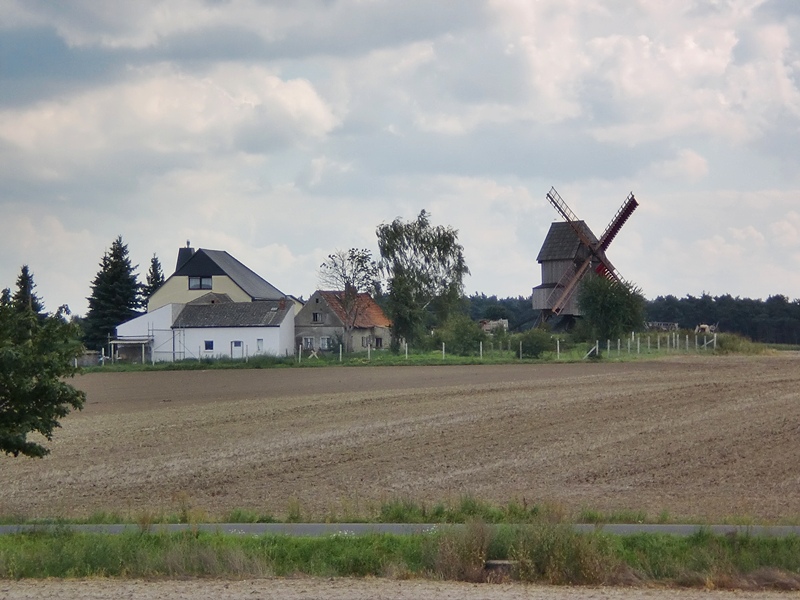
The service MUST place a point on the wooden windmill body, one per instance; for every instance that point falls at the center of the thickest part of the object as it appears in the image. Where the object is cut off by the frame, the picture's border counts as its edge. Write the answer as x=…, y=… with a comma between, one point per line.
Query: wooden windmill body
x=569, y=252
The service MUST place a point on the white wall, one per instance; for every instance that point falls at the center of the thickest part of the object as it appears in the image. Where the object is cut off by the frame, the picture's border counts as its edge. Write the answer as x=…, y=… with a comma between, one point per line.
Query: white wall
x=278, y=341
x=156, y=324
x=177, y=344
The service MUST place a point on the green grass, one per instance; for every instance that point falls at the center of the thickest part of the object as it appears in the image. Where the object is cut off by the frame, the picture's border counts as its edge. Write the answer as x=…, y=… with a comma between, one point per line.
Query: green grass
x=546, y=553
x=395, y=510
x=571, y=351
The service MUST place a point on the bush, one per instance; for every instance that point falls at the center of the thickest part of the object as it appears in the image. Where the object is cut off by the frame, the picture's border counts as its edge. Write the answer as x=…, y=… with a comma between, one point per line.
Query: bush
x=461, y=336
x=535, y=342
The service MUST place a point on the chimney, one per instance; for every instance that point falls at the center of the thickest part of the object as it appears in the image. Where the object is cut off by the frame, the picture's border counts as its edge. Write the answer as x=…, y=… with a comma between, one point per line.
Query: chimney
x=184, y=254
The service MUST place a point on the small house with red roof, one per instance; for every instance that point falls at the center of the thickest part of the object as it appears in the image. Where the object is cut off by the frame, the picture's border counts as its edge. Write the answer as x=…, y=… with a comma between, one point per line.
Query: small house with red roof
x=322, y=323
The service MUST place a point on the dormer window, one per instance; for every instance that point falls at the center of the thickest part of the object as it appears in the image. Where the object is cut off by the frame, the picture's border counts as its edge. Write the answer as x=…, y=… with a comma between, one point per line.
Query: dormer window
x=199, y=283
x=316, y=317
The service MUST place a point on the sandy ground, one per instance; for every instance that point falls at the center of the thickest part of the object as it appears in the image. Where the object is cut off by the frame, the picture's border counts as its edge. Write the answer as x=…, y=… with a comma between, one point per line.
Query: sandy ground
x=701, y=437
x=340, y=589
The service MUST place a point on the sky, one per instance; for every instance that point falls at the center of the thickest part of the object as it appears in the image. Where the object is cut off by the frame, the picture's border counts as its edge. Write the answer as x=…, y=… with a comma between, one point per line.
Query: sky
x=283, y=131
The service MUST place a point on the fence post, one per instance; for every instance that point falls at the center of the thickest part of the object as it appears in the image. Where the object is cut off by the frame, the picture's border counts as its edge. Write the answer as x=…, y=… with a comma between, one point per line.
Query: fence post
x=648, y=344
x=369, y=351
x=520, y=350
x=442, y=350
x=639, y=345
x=558, y=349
x=300, y=353
x=481, y=349
x=715, y=341
x=405, y=343
x=658, y=342
x=608, y=347
x=629, y=346
x=687, y=342
x=619, y=347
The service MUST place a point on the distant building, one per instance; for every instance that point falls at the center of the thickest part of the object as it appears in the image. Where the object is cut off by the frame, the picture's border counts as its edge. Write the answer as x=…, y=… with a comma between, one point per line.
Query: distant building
x=320, y=324
x=212, y=306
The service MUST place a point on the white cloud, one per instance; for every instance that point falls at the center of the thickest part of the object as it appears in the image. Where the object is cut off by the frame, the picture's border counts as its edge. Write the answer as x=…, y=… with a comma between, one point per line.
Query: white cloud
x=688, y=164
x=787, y=231
x=161, y=110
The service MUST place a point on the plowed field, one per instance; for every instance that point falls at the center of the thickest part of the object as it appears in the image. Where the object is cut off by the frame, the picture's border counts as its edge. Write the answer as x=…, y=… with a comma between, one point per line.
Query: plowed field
x=697, y=437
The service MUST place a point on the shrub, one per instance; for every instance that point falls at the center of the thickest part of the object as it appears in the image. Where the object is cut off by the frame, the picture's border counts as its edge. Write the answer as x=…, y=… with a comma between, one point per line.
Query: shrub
x=535, y=342
x=461, y=336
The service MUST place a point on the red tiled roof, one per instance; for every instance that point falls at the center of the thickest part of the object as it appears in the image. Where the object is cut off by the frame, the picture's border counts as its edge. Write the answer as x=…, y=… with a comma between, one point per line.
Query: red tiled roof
x=369, y=313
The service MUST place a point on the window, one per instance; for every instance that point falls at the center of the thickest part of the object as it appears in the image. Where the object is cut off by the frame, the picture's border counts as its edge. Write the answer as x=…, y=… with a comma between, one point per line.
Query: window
x=308, y=343
x=237, y=344
x=209, y=345
x=364, y=341
x=316, y=317
x=199, y=283
x=325, y=343
x=260, y=345
x=378, y=342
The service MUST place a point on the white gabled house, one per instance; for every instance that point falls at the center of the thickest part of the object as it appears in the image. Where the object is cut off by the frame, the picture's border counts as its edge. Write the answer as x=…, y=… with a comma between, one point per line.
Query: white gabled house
x=211, y=307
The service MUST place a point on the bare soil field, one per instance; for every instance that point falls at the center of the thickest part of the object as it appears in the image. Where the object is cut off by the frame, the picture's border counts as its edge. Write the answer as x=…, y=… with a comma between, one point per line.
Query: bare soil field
x=707, y=438
x=341, y=589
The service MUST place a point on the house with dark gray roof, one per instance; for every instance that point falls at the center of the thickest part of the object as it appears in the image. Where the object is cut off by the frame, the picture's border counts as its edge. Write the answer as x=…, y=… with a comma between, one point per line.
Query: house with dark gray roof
x=201, y=271
x=212, y=306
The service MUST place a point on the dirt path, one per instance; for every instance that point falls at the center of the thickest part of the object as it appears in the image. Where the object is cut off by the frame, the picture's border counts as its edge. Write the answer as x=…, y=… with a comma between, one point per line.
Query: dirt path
x=341, y=589
x=708, y=437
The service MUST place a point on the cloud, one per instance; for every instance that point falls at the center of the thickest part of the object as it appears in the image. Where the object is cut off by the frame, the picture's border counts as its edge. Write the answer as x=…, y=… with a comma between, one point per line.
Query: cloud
x=164, y=113
x=688, y=164
x=786, y=232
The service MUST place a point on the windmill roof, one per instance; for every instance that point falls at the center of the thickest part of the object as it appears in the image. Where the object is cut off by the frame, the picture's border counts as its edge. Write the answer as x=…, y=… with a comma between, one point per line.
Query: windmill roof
x=263, y=313
x=369, y=313
x=218, y=262
x=562, y=242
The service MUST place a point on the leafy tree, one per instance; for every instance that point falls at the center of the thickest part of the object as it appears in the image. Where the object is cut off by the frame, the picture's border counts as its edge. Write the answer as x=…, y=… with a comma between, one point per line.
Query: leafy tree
x=116, y=295
x=351, y=273
x=36, y=354
x=425, y=269
x=25, y=297
x=610, y=309
x=155, y=279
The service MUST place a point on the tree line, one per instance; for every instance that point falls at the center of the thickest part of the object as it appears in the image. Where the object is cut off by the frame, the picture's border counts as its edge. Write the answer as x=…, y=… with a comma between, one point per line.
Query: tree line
x=775, y=320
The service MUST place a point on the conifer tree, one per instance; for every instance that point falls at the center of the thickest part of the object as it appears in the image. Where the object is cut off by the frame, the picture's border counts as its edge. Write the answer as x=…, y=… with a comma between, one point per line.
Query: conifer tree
x=25, y=297
x=155, y=279
x=116, y=295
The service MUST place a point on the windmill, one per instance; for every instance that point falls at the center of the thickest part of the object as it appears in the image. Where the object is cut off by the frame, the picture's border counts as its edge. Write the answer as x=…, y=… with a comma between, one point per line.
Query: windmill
x=569, y=251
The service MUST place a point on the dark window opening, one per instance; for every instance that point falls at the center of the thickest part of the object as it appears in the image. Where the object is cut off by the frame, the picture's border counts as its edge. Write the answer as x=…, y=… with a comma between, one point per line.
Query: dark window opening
x=199, y=283
x=209, y=344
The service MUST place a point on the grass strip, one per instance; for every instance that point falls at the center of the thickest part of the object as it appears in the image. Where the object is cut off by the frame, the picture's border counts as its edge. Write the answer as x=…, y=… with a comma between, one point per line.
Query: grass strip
x=553, y=554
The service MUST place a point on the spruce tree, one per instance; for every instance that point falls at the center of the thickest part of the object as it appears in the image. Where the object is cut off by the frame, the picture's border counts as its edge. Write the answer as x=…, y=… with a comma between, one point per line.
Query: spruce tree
x=116, y=295
x=155, y=279
x=25, y=298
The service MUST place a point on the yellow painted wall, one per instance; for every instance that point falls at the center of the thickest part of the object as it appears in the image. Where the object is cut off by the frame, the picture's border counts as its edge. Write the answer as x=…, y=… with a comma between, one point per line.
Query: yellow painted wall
x=176, y=290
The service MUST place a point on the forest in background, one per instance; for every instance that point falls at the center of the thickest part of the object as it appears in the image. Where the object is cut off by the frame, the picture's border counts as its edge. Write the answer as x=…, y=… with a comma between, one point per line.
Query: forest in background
x=775, y=320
